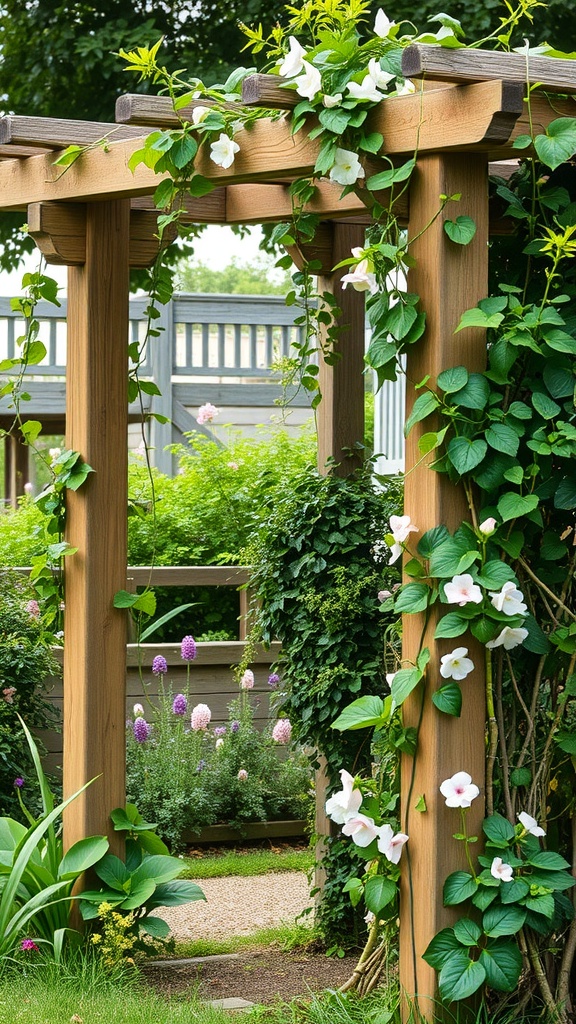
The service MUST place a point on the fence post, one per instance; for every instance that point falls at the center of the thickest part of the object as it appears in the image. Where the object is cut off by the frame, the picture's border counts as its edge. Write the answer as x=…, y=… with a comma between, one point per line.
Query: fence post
x=161, y=362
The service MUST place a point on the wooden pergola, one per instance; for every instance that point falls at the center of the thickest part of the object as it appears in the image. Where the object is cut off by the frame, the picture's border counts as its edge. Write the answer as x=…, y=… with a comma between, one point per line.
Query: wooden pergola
x=97, y=218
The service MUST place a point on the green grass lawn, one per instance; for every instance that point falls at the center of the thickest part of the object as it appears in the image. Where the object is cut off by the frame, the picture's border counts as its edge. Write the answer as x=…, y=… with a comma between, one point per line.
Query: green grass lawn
x=247, y=862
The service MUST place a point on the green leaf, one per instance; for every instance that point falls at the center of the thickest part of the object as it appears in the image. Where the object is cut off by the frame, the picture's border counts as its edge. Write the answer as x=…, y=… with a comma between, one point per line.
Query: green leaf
x=566, y=742
x=81, y=856
x=400, y=319
x=498, y=830
x=452, y=557
x=460, y=977
x=158, y=868
x=431, y=540
x=424, y=405
x=543, y=904
x=453, y=379
x=558, y=144
x=355, y=888
x=441, y=948
x=502, y=438
x=388, y=178
x=174, y=894
x=448, y=699
x=155, y=926
x=451, y=625
x=475, y=393
x=140, y=892
x=30, y=430
x=514, y=891
x=547, y=860
x=461, y=230
x=502, y=961
x=478, y=318
x=465, y=454
x=500, y=920
x=520, y=777
x=560, y=341
x=512, y=505
x=413, y=597
x=404, y=682
x=495, y=574
x=459, y=886
x=113, y=873
x=122, y=599
x=363, y=713
x=565, y=496
x=467, y=932
x=379, y=892
x=545, y=406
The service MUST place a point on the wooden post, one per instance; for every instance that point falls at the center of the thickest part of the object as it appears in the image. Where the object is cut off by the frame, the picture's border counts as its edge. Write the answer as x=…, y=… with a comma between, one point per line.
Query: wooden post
x=16, y=467
x=341, y=411
x=96, y=417
x=449, y=278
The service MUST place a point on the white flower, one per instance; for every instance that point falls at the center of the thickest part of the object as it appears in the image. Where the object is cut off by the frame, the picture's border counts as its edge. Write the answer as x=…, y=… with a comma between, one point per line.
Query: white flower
x=332, y=101
x=382, y=25
x=390, y=676
x=347, y=168
x=407, y=89
x=138, y=711
x=389, y=844
x=340, y=806
x=400, y=528
x=199, y=113
x=456, y=665
x=530, y=824
x=310, y=82
x=293, y=61
x=509, y=600
x=498, y=869
x=509, y=638
x=361, y=829
x=219, y=742
x=488, y=527
x=380, y=78
x=361, y=278
x=224, y=150
x=462, y=590
x=459, y=791
x=206, y=413
x=365, y=90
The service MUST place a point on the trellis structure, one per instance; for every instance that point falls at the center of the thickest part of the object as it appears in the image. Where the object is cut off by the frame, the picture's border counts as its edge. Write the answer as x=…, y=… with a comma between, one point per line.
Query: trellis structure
x=468, y=114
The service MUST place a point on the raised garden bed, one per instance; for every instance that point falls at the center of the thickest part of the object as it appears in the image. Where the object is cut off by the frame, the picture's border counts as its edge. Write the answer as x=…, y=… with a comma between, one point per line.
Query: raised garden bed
x=251, y=830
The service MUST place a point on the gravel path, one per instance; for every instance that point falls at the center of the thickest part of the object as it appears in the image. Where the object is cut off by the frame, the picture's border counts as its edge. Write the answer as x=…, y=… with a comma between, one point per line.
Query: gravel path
x=239, y=906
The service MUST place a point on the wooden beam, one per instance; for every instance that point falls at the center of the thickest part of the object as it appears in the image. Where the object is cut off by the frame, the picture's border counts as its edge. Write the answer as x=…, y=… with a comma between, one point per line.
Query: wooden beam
x=341, y=412
x=467, y=65
x=210, y=209
x=59, y=230
x=57, y=133
x=320, y=249
x=156, y=111
x=259, y=204
x=10, y=152
x=16, y=467
x=268, y=91
x=94, y=673
x=449, y=278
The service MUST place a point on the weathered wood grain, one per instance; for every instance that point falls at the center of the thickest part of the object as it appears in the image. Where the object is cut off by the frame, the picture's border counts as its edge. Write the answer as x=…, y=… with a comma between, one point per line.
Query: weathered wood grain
x=467, y=65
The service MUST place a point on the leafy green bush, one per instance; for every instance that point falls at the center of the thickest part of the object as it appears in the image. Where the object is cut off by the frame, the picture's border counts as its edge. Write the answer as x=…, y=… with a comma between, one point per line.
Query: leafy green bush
x=26, y=662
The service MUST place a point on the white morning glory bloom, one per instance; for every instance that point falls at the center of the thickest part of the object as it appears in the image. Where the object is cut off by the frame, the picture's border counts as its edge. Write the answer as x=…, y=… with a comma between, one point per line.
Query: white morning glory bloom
x=462, y=590
x=382, y=24
x=389, y=844
x=459, y=790
x=340, y=806
x=346, y=168
x=310, y=82
x=406, y=89
x=361, y=829
x=364, y=90
x=380, y=78
x=509, y=600
x=223, y=151
x=361, y=277
x=500, y=870
x=509, y=638
x=488, y=527
x=331, y=101
x=456, y=665
x=530, y=824
x=400, y=528
x=293, y=61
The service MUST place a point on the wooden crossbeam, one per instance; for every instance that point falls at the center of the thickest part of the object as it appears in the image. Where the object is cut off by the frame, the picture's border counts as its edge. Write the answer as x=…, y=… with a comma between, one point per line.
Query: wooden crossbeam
x=466, y=65
x=59, y=230
x=268, y=91
x=9, y=152
x=56, y=133
x=156, y=111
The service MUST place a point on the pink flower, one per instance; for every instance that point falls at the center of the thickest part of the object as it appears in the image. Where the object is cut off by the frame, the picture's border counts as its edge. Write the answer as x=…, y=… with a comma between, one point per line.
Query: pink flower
x=247, y=681
x=456, y=665
x=500, y=870
x=8, y=694
x=242, y=775
x=361, y=277
x=340, y=806
x=282, y=731
x=29, y=945
x=200, y=717
x=361, y=829
x=33, y=609
x=206, y=413
x=459, y=791
x=462, y=590
x=389, y=844
x=488, y=527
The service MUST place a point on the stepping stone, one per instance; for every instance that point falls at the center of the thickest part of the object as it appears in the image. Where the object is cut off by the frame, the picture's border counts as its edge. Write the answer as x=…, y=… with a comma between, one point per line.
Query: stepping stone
x=233, y=1003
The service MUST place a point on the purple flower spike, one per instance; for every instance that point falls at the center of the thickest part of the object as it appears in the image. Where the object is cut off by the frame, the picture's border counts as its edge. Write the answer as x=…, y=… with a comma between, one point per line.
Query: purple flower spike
x=220, y=730
x=201, y=766
x=159, y=666
x=188, y=648
x=141, y=730
x=19, y=782
x=273, y=680
x=179, y=704
x=234, y=726
x=29, y=945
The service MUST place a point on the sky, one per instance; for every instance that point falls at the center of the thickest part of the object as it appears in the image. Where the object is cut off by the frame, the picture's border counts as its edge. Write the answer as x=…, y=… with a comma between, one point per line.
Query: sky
x=216, y=248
